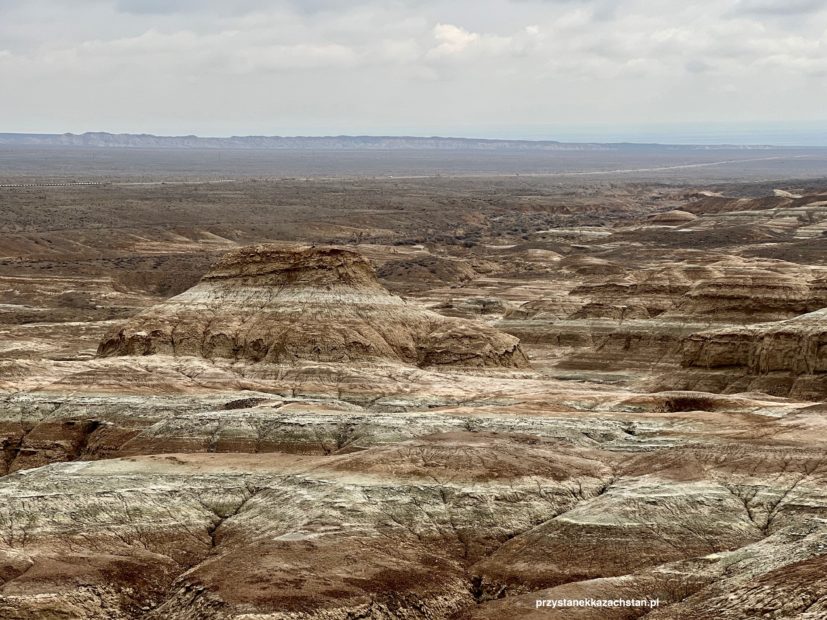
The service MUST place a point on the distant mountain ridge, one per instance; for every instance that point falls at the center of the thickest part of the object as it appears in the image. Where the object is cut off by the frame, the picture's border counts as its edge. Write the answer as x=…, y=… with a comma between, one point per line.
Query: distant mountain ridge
x=325, y=143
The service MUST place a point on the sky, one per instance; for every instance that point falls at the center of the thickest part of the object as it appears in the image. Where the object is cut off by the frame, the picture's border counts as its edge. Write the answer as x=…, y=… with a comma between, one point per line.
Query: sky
x=742, y=71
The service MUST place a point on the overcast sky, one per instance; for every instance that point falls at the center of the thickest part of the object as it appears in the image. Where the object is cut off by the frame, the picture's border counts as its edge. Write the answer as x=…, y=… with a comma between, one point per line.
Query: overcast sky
x=489, y=68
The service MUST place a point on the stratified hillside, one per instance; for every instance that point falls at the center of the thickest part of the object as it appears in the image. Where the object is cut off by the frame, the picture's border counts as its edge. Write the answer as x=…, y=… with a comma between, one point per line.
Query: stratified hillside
x=418, y=399
x=284, y=304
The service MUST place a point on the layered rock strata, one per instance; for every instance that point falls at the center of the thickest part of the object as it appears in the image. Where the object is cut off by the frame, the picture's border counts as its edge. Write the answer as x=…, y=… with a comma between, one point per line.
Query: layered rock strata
x=779, y=357
x=282, y=304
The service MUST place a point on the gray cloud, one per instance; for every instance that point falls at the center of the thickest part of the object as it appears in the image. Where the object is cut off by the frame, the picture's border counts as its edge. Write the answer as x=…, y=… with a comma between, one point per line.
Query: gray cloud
x=153, y=6
x=698, y=66
x=779, y=7
x=237, y=7
x=214, y=7
x=405, y=66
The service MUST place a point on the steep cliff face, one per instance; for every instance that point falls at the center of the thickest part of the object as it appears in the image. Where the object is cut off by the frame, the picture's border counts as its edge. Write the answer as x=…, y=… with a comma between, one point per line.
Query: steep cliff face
x=796, y=345
x=780, y=357
x=281, y=304
x=639, y=319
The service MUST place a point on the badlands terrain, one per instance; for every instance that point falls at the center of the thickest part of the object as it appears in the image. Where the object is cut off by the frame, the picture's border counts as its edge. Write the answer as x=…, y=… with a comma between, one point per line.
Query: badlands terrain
x=416, y=398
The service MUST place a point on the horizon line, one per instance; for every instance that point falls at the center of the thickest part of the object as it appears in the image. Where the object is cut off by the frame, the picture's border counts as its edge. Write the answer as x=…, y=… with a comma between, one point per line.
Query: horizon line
x=403, y=136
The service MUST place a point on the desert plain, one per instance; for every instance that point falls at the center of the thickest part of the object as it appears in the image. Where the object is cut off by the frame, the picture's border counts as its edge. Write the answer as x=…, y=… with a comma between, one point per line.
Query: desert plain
x=345, y=385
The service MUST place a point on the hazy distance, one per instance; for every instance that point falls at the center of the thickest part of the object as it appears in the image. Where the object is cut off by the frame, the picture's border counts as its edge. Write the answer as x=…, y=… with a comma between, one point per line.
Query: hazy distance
x=712, y=71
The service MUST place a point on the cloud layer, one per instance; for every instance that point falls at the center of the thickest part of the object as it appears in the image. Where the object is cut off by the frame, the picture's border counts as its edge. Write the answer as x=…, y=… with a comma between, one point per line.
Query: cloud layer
x=462, y=67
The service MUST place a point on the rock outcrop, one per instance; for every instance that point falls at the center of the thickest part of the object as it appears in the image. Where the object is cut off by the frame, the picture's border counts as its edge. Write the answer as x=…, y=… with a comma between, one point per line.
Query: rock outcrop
x=288, y=440
x=280, y=304
x=777, y=357
x=674, y=218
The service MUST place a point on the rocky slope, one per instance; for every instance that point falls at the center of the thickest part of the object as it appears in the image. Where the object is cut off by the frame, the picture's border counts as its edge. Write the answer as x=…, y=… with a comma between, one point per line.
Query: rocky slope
x=422, y=515
x=286, y=440
x=784, y=357
x=276, y=304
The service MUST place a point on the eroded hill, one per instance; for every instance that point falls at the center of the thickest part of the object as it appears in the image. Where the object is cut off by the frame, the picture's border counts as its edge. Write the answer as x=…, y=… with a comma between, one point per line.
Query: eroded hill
x=417, y=399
